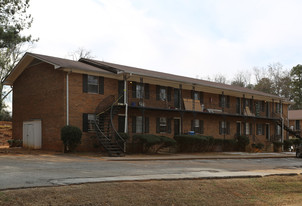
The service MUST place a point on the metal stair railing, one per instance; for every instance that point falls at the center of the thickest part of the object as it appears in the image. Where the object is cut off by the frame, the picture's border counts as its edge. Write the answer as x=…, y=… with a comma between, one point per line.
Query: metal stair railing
x=108, y=134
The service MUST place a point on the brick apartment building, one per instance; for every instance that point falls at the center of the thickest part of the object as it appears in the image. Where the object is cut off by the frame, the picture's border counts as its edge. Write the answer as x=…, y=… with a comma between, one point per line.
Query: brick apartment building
x=295, y=122
x=50, y=92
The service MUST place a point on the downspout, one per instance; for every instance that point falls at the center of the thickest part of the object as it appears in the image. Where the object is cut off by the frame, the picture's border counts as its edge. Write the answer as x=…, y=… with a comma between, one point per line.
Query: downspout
x=282, y=125
x=126, y=104
x=67, y=98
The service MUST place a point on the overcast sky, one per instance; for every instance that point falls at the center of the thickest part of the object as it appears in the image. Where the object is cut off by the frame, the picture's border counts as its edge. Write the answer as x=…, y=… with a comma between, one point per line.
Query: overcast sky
x=195, y=38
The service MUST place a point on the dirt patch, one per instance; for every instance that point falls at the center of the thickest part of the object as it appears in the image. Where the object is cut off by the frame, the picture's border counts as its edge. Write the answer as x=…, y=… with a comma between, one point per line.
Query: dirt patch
x=5, y=133
x=255, y=191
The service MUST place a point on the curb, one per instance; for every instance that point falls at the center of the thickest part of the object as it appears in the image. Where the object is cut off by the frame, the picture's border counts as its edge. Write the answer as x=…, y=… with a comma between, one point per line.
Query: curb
x=196, y=158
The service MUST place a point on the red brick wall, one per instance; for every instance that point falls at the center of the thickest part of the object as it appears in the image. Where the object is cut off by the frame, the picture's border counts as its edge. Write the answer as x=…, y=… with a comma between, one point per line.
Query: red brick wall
x=80, y=102
x=38, y=93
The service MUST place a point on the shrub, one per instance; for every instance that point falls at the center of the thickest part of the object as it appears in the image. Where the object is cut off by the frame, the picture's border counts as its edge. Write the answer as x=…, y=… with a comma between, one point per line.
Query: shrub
x=242, y=142
x=15, y=142
x=194, y=143
x=125, y=136
x=153, y=143
x=71, y=137
x=296, y=141
x=287, y=144
x=226, y=144
x=258, y=146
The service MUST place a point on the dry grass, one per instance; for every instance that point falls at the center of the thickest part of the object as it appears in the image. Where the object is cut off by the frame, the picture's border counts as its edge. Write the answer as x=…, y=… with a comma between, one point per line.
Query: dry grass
x=255, y=191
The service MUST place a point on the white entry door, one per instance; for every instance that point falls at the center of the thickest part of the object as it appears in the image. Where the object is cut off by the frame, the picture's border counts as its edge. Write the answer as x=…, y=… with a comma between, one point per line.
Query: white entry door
x=32, y=134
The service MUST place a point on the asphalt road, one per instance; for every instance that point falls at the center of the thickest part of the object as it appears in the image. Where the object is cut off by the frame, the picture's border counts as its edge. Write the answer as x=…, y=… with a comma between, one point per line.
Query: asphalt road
x=21, y=171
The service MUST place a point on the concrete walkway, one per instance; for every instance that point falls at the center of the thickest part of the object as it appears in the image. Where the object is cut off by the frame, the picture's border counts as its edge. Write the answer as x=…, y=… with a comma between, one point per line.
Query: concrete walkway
x=24, y=169
x=201, y=156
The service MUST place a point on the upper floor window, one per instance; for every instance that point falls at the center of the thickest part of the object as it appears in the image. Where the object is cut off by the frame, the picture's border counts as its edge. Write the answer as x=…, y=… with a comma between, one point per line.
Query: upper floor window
x=196, y=96
x=224, y=101
x=139, y=91
x=163, y=94
x=93, y=84
x=297, y=124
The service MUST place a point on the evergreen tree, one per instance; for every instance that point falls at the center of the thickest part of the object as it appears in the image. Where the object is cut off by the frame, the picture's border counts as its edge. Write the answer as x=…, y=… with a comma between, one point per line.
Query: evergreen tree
x=296, y=86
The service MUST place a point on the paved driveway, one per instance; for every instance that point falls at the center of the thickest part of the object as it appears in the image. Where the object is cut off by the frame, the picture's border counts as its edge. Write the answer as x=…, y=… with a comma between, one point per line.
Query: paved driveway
x=19, y=171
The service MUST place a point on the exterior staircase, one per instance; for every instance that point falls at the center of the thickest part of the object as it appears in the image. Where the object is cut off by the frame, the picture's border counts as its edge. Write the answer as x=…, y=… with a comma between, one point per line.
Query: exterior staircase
x=289, y=130
x=107, y=135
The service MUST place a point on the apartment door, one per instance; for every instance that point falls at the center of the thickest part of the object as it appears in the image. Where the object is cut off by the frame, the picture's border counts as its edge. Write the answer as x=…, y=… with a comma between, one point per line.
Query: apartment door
x=267, y=132
x=176, y=98
x=238, y=128
x=267, y=109
x=176, y=126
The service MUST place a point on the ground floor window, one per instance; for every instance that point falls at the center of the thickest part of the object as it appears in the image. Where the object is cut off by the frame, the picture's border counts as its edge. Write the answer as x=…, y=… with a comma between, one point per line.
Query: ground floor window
x=88, y=122
x=163, y=125
x=224, y=127
x=197, y=126
x=248, y=128
x=260, y=129
x=140, y=124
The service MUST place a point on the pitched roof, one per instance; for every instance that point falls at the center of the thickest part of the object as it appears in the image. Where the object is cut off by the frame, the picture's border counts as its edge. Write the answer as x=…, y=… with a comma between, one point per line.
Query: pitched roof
x=295, y=114
x=95, y=66
x=58, y=63
x=116, y=68
x=65, y=63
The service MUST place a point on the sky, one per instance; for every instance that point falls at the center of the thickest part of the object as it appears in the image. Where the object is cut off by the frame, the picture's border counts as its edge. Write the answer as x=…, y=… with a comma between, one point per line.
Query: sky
x=194, y=38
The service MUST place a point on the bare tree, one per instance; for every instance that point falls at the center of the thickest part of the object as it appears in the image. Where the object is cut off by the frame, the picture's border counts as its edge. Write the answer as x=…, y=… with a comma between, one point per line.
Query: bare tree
x=81, y=53
x=242, y=79
x=220, y=78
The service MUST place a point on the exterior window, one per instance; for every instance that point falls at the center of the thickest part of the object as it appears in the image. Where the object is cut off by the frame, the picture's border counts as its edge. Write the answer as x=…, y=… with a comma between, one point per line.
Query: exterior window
x=247, y=128
x=163, y=124
x=297, y=124
x=196, y=96
x=91, y=124
x=224, y=127
x=224, y=101
x=93, y=84
x=260, y=129
x=163, y=94
x=139, y=91
x=197, y=126
x=139, y=124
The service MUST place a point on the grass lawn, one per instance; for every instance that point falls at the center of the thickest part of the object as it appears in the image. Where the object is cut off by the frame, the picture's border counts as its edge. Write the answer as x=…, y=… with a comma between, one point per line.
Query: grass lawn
x=276, y=190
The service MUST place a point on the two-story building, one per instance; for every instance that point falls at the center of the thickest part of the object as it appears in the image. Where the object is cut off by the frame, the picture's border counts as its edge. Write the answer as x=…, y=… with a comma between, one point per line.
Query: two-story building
x=106, y=98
